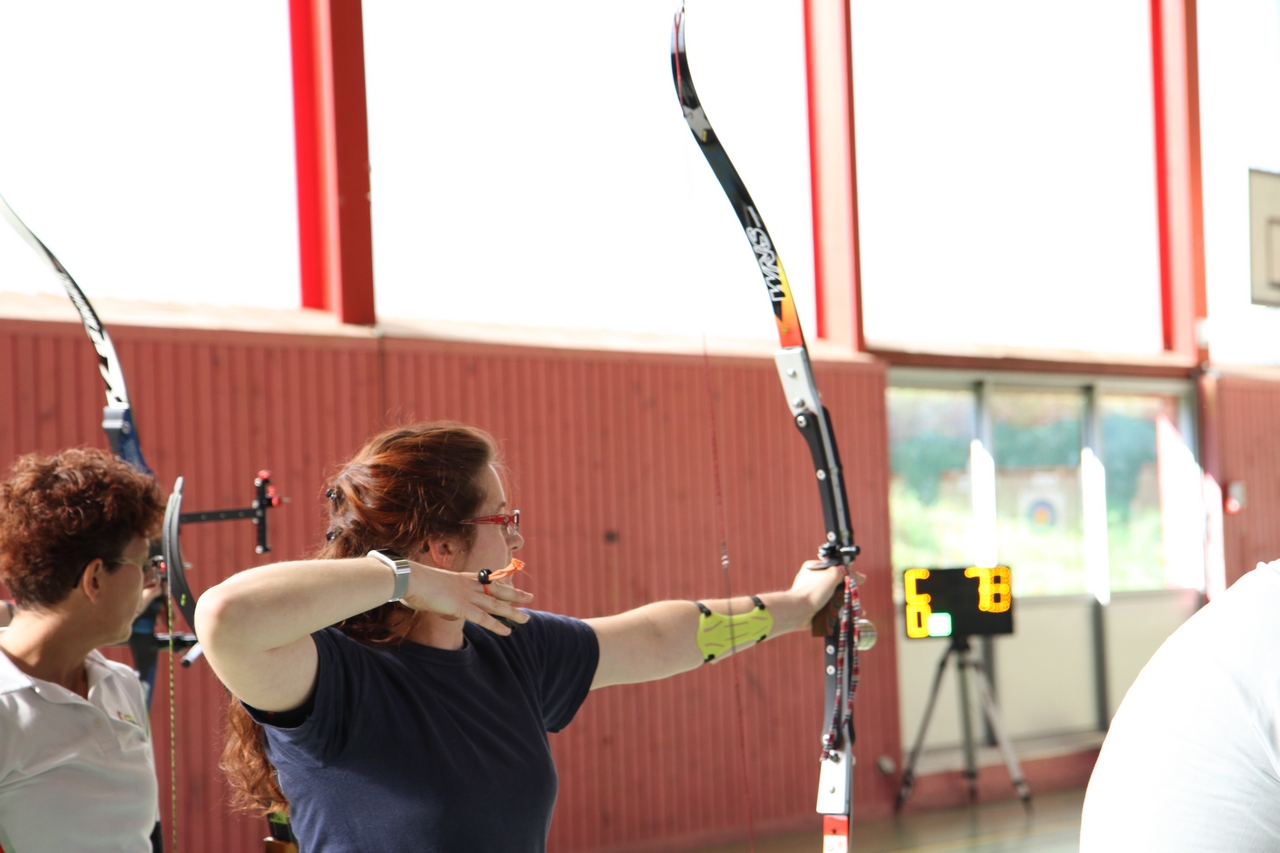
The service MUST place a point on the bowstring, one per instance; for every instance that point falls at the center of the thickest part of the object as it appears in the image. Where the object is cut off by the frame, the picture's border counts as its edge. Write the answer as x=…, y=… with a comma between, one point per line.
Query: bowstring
x=173, y=734
x=721, y=532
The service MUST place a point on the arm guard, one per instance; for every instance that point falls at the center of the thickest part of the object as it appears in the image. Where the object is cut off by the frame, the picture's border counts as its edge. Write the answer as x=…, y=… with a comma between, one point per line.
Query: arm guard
x=718, y=633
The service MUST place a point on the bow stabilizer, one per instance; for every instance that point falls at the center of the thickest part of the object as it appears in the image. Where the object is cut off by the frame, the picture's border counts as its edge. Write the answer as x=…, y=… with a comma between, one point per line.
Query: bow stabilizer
x=848, y=632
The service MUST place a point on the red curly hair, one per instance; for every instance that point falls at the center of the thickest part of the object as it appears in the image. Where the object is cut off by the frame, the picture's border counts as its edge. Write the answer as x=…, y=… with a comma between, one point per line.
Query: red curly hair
x=59, y=513
x=403, y=487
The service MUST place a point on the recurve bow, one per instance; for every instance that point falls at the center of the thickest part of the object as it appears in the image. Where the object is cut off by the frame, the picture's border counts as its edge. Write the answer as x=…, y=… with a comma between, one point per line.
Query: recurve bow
x=847, y=633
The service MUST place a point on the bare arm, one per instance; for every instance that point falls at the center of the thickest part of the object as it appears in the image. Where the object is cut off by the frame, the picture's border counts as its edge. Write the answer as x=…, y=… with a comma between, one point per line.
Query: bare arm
x=256, y=626
x=660, y=640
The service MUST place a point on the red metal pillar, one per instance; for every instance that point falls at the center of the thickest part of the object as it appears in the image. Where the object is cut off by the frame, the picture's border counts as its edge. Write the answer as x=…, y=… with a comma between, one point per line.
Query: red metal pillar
x=331, y=131
x=1175, y=73
x=1178, y=190
x=829, y=66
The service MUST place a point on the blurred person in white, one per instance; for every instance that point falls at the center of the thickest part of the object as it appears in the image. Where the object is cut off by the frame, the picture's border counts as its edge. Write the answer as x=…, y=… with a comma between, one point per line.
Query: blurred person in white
x=77, y=771
x=1191, y=761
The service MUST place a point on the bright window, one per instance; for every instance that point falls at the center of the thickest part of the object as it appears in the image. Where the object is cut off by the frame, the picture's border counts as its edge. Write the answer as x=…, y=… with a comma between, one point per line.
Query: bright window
x=1036, y=438
x=532, y=166
x=150, y=145
x=1239, y=55
x=996, y=469
x=1137, y=431
x=1006, y=173
x=930, y=432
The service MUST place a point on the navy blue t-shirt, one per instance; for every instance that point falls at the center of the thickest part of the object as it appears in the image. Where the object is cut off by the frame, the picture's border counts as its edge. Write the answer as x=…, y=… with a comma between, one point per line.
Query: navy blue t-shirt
x=425, y=749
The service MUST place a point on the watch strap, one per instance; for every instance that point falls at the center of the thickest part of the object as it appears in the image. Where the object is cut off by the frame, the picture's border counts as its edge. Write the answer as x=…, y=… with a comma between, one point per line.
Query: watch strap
x=397, y=564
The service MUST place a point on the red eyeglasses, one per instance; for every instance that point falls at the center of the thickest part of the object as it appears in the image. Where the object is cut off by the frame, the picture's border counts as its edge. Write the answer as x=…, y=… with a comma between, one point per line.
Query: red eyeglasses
x=511, y=523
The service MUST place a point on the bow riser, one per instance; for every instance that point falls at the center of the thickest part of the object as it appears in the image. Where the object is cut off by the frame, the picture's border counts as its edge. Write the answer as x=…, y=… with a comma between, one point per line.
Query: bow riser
x=814, y=423
x=117, y=423
x=173, y=553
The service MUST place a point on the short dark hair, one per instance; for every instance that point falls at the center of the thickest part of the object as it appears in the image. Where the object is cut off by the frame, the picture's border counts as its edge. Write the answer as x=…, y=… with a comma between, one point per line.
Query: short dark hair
x=59, y=513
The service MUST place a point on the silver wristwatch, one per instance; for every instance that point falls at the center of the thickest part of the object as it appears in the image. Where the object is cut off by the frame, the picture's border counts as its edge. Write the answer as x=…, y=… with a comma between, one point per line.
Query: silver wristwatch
x=397, y=564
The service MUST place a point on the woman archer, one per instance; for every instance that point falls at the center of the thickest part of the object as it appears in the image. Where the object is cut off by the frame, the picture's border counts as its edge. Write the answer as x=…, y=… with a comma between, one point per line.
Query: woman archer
x=394, y=696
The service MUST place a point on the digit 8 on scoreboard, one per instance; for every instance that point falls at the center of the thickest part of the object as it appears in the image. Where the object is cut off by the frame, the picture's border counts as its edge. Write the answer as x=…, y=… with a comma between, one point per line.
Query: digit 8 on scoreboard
x=993, y=588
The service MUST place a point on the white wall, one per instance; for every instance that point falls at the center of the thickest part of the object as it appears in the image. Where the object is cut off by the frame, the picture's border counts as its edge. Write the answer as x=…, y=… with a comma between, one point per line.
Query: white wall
x=1137, y=624
x=1239, y=130
x=1006, y=173
x=150, y=145
x=531, y=165
x=1045, y=677
x=1045, y=671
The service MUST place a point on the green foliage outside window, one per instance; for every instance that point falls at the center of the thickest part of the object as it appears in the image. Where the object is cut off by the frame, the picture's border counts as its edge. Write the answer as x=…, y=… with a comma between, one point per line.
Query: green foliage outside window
x=929, y=503
x=921, y=460
x=1128, y=444
x=1051, y=445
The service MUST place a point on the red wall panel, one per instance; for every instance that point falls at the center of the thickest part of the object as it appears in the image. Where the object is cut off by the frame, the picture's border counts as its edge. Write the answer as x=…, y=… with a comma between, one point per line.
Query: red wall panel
x=609, y=458
x=1248, y=422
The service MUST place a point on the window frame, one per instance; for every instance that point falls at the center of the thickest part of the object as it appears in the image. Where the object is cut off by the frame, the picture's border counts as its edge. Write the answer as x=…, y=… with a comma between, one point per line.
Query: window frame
x=982, y=383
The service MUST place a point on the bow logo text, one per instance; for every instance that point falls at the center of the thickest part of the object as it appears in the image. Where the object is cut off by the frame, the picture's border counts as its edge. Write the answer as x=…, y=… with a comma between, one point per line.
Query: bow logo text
x=766, y=257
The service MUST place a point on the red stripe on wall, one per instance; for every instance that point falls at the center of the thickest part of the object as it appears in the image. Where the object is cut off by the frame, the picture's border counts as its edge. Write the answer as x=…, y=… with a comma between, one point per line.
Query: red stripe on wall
x=1249, y=452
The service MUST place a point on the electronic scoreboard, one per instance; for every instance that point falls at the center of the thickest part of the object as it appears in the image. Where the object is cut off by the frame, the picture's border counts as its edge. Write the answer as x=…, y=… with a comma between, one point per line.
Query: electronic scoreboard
x=958, y=602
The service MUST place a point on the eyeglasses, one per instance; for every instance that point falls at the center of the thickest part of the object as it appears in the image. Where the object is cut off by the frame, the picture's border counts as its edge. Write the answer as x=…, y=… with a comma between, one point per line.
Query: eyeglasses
x=150, y=567
x=510, y=522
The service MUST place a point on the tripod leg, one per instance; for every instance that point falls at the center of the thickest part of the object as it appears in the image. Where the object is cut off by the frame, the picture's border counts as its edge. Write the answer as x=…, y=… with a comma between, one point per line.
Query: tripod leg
x=966, y=723
x=909, y=772
x=1002, y=737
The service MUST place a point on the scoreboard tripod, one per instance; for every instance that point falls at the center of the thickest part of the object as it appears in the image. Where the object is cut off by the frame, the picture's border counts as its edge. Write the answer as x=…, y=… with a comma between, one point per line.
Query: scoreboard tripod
x=959, y=604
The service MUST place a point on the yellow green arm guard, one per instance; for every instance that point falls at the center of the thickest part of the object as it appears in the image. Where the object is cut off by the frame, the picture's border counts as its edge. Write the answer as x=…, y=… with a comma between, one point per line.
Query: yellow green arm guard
x=718, y=633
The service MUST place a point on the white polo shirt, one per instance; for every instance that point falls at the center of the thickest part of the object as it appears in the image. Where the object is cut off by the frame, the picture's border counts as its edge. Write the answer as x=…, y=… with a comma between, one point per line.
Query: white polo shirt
x=1192, y=761
x=75, y=774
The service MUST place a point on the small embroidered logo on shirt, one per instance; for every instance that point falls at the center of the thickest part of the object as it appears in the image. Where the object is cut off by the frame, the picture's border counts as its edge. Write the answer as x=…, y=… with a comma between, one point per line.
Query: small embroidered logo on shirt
x=128, y=718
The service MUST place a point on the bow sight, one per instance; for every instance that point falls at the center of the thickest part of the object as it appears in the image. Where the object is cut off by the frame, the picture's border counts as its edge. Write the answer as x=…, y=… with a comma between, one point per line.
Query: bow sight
x=265, y=498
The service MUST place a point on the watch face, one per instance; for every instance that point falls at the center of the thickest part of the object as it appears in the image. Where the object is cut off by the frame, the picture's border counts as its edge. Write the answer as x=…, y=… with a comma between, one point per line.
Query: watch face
x=394, y=561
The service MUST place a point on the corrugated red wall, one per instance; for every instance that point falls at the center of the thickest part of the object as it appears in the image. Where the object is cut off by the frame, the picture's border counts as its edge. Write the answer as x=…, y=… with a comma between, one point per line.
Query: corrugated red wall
x=1248, y=430
x=610, y=459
